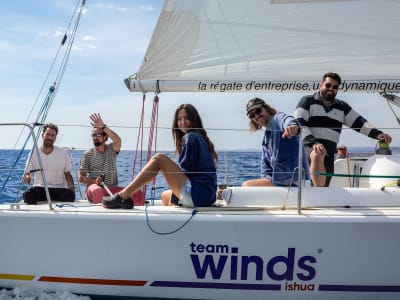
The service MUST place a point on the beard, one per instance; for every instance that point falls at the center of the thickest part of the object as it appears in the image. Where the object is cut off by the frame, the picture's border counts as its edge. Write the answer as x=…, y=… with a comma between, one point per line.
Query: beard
x=48, y=143
x=329, y=97
x=97, y=143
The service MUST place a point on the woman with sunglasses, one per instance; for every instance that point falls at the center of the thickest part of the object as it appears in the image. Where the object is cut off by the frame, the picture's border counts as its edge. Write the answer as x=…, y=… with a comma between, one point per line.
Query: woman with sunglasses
x=280, y=146
x=321, y=117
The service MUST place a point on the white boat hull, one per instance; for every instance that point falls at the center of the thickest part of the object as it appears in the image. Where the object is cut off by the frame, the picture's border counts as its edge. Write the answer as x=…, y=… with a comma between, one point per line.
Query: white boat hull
x=254, y=252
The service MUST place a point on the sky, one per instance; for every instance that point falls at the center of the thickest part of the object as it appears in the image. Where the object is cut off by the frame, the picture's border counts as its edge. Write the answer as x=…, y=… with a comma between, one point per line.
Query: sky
x=109, y=46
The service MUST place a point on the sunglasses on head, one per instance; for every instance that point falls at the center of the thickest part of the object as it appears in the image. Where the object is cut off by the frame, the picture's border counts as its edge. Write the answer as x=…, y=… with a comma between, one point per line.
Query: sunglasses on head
x=97, y=135
x=328, y=86
x=255, y=112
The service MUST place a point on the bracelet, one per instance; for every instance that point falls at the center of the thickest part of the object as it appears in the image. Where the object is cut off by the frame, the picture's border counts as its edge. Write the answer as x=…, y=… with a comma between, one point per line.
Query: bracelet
x=104, y=126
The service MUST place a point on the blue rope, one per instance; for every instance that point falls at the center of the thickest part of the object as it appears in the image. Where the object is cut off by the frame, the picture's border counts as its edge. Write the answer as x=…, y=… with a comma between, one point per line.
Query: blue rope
x=194, y=212
x=62, y=205
x=171, y=232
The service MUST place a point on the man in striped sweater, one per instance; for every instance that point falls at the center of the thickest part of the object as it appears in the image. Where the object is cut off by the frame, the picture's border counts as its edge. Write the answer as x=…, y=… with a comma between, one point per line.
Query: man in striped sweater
x=99, y=164
x=321, y=116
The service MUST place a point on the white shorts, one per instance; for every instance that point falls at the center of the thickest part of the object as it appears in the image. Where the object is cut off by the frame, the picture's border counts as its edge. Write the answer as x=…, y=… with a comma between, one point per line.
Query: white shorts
x=186, y=194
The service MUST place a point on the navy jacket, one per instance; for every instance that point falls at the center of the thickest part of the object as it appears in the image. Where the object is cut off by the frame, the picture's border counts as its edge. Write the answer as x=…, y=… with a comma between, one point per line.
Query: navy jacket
x=198, y=165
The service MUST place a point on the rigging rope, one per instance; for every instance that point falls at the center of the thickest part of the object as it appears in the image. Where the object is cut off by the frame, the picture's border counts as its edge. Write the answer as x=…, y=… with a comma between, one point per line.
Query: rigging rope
x=393, y=112
x=140, y=142
x=45, y=108
x=152, y=137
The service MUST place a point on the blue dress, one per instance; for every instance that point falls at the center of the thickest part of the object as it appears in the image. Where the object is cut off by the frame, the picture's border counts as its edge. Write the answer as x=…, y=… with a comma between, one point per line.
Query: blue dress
x=280, y=155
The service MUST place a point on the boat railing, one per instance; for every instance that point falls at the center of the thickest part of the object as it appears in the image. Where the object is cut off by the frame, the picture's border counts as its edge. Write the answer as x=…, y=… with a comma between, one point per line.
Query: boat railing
x=351, y=178
x=300, y=178
x=35, y=147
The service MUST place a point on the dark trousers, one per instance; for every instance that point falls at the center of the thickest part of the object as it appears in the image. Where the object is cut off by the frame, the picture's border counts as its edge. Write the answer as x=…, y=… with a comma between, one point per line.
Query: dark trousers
x=329, y=162
x=35, y=194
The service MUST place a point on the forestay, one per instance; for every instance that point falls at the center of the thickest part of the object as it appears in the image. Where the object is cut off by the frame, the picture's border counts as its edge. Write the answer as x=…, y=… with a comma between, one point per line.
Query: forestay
x=272, y=46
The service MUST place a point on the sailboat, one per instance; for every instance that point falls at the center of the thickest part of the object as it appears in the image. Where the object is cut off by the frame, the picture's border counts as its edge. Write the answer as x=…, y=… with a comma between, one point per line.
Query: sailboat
x=299, y=242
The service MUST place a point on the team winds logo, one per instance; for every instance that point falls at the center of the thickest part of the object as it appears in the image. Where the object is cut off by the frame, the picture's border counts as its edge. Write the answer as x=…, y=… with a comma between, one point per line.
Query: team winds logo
x=222, y=262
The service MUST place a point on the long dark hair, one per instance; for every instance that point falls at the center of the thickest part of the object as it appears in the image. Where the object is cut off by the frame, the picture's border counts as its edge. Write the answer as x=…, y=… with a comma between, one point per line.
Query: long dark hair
x=197, y=126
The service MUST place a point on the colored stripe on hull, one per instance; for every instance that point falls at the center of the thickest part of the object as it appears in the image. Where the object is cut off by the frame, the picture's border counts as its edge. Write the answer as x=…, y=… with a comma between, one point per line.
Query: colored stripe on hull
x=16, y=276
x=213, y=285
x=93, y=281
x=359, y=288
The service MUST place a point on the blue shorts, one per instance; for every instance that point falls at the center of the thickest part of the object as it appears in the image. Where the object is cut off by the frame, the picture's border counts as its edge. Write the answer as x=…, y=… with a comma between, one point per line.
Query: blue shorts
x=186, y=194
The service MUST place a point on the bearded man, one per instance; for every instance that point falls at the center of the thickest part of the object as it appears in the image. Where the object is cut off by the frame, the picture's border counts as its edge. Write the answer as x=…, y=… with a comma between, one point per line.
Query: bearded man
x=56, y=166
x=321, y=117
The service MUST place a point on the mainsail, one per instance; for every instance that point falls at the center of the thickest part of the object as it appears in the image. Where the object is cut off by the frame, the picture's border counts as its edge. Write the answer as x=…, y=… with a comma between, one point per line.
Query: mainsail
x=272, y=46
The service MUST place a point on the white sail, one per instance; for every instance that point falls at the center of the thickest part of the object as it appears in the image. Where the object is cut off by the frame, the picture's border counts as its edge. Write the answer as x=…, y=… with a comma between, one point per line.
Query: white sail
x=272, y=45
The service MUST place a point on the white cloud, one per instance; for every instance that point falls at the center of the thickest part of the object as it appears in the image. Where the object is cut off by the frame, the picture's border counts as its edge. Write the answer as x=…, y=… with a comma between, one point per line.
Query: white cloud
x=147, y=7
x=88, y=38
x=109, y=6
x=83, y=46
x=58, y=33
x=43, y=34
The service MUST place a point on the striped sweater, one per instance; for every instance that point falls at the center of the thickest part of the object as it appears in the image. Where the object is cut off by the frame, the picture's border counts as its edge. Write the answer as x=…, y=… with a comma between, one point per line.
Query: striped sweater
x=97, y=164
x=323, y=125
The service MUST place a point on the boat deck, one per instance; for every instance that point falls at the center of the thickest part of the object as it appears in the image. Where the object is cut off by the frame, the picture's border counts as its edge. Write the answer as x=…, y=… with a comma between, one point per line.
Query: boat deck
x=271, y=201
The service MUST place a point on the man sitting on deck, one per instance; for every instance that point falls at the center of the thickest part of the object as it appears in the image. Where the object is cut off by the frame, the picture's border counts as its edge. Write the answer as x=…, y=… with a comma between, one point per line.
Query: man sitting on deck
x=98, y=166
x=56, y=167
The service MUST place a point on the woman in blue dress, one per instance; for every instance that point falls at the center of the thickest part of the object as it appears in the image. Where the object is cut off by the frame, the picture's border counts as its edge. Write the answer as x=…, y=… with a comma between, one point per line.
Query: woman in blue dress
x=193, y=181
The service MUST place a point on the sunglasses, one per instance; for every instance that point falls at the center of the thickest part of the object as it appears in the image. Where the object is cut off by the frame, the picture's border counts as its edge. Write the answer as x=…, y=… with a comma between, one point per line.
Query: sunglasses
x=328, y=86
x=97, y=135
x=255, y=112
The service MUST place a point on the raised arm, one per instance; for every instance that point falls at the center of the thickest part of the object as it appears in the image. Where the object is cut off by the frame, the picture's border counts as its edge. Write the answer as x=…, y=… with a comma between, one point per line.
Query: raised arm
x=97, y=121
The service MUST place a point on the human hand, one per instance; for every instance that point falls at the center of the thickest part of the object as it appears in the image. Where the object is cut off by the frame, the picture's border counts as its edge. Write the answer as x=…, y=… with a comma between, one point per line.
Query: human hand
x=290, y=131
x=99, y=180
x=319, y=149
x=27, y=178
x=384, y=138
x=97, y=121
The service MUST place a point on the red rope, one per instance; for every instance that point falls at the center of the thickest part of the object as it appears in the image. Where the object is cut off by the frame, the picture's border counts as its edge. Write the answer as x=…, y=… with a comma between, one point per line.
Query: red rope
x=139, y=138
x=139, y=148
x=154, y=119
x=139, y=143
